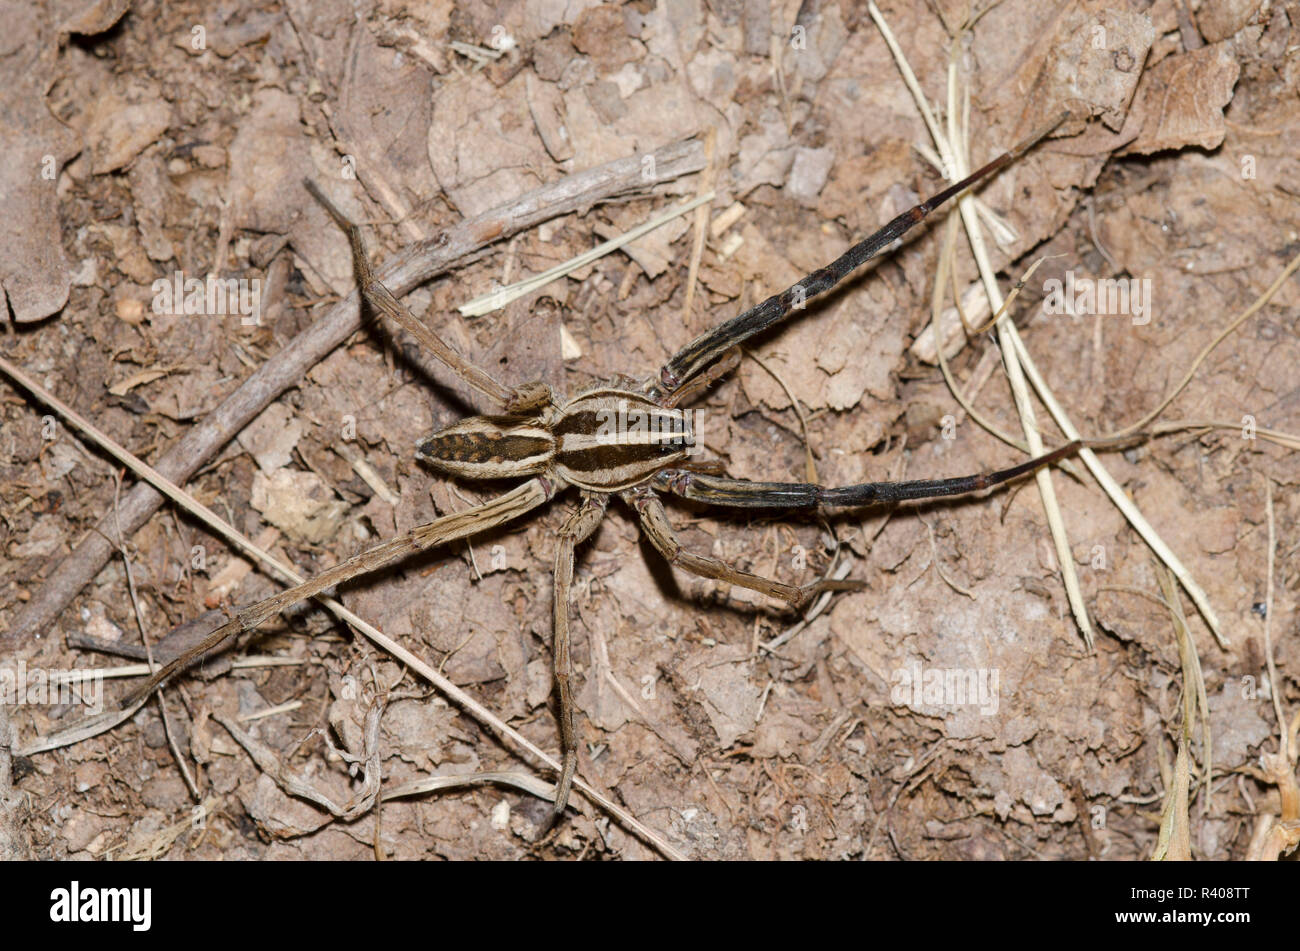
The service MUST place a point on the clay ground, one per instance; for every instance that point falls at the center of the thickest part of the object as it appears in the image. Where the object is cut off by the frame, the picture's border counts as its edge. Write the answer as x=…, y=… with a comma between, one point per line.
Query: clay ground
x=1179, y=171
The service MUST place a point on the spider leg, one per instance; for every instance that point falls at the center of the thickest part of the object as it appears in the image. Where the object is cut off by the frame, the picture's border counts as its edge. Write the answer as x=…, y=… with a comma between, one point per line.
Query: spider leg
x=693, y=387
x=514, y=400
x=654, y=521
x=479, y=518
x=788, y=495
x=575, y=531
x=706, y=348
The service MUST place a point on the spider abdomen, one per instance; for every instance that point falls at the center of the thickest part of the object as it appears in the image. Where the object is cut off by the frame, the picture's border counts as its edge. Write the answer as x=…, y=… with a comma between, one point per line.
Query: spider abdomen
x=489, y=447
x=610, y=439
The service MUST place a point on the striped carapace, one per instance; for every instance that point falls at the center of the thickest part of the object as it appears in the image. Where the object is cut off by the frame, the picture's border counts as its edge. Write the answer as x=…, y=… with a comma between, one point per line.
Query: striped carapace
x=603, y=440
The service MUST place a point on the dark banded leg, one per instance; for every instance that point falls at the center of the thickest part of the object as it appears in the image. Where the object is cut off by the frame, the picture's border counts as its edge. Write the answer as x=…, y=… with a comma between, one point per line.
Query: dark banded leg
x=793, y=495
x=479, y=518
x=519, y=399
x=575, y=531
x=654, y=521
x=706, y=348
x=692, y=388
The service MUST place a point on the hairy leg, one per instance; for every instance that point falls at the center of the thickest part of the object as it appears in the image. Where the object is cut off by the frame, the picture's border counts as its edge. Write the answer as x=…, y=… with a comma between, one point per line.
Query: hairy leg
x=575, y=531
x=520, y=399
x=479, y=518
x=709, y=345
x=787, y=495
x=654, y=521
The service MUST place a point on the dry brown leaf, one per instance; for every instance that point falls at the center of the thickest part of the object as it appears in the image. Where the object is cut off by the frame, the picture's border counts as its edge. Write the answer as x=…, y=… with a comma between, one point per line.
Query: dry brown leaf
x=122, y=387
x=1180, y=101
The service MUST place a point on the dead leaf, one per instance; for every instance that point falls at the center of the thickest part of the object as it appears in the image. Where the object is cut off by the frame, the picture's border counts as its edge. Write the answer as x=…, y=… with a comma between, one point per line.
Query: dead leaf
x=123, y=387
x=95, y=17
x=298, y=503
x=1180, y=101
x=34, y=271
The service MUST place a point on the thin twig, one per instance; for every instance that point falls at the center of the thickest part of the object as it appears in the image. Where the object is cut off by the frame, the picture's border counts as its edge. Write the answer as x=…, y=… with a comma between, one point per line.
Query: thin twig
x=1282, y=741
x=810, y=466
x=168, y=730
x=701, y=224
x=943, y=273
x=1194, y=697
x=1241, y=318
x=938, y=566
x=495, y=300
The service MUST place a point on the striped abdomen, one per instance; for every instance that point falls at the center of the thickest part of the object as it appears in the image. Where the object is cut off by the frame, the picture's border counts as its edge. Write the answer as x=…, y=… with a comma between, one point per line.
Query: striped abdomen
x=489, y=447
x=611, y=439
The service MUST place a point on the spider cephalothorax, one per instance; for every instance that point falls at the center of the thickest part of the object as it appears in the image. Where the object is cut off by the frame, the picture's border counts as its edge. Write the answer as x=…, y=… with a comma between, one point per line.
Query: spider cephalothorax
x=605, y=439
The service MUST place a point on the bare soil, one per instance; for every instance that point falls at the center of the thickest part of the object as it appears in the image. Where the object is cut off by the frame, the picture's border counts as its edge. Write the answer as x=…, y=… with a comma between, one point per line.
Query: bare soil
x=179, y=138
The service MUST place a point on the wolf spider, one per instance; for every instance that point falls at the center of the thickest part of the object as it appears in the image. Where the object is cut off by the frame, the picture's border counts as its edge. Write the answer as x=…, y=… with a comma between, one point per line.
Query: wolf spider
x=555, y=444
